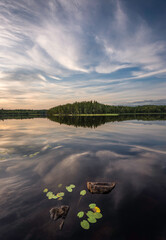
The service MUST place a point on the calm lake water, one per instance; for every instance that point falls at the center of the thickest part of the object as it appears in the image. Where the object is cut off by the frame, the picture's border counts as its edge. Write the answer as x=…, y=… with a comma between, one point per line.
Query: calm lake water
x=132, y=153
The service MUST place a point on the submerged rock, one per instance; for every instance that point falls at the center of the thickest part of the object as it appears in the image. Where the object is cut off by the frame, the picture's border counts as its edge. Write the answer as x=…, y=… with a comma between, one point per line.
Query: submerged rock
x=59, y=212
x=100, y=187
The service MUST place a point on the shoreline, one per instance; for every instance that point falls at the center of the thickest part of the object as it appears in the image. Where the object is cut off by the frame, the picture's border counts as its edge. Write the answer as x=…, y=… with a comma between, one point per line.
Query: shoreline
x=105, y=114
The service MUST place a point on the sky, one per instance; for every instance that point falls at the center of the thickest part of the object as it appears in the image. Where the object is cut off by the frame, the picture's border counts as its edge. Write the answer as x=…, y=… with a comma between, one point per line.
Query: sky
x=58, y=51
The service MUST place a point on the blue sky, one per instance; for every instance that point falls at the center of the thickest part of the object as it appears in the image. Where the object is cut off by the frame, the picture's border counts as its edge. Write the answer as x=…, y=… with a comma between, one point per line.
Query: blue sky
x=58, y=51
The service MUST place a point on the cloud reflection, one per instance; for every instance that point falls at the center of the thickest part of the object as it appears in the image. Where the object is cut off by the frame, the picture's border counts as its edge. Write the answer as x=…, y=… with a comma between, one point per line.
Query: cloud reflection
x=126, y=152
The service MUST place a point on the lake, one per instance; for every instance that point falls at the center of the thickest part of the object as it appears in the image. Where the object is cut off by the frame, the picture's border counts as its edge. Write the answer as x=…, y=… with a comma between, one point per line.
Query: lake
x=40, y=153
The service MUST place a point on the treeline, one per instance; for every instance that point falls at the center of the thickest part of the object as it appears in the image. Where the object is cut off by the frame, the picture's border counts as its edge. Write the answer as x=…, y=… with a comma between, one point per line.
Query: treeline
x=93, y=107
x=21, y=113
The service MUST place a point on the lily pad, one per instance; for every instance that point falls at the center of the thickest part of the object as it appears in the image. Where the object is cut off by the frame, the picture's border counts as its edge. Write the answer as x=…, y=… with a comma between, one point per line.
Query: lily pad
x=60, y=198
x=98, y=215
x=36, y=153
x=69, y=189
x=85, y=224
x=83, y=192
x=90, y=214
x=92, y=205
x=45, y=190
x=61, y=194
x=92, y=220
x=50, y=195
x=33, y=154
x=80, y=214
x=55, y=197
x=72, y=186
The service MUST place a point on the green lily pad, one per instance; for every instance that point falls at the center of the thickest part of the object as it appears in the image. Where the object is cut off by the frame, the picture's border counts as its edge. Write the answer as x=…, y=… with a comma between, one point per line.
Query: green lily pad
x=50, y=197
x=60, y=185
x=83, y=192
x=45, y=190
x=55, y=197
x=49, y=193
x=60, y=198
x=69, y=189
x=85, y=224
x=92, y=205
x=72, y=186
x=33, y=154
x=61, y=194
x=92, y=220
x=36, y=153
x=98, y=215
x=90, y=214
x=80, y=214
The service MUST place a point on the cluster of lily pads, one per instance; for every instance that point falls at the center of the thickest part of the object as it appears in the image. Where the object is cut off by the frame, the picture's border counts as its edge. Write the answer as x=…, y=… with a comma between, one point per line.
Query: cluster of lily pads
x=92, y=216
x=43, y=149
x=32, y=154
x=5, y=154
x=60, y=195
x=70, y=188
x=51, y=195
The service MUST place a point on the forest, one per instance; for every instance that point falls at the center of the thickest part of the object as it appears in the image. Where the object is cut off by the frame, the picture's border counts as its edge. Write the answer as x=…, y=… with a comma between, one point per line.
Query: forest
x=21, y=113
x=93, y=107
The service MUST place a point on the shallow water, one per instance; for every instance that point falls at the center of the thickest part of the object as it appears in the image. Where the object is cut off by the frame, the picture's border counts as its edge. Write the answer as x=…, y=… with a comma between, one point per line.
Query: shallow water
x=132, y=153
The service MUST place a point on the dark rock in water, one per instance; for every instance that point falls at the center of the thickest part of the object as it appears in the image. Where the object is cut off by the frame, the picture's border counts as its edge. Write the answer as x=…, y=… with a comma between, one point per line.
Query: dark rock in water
x=59, y=212
x=100, y=187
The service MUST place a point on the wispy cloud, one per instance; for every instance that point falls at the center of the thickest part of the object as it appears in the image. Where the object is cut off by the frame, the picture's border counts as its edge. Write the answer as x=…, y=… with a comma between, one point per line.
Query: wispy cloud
x=42, y=77
x=56, y=78
x=130, y=44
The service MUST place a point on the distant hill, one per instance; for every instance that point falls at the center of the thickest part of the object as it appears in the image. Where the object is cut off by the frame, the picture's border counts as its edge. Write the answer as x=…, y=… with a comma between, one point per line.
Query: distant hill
x=93, y=107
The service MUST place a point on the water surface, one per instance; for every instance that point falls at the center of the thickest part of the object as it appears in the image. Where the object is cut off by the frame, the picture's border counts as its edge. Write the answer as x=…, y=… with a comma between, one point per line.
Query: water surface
x=131, y=152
